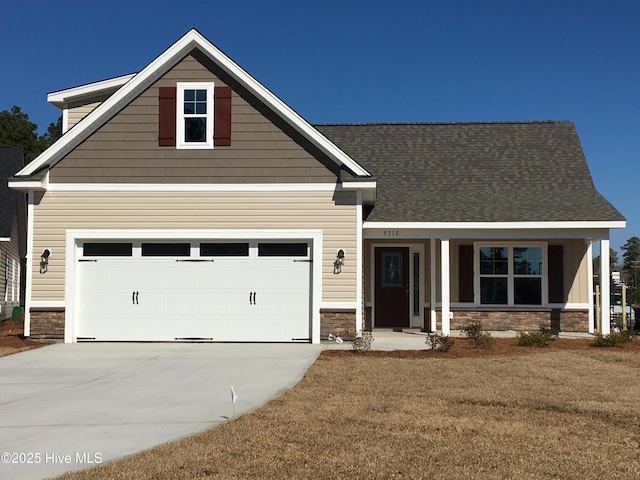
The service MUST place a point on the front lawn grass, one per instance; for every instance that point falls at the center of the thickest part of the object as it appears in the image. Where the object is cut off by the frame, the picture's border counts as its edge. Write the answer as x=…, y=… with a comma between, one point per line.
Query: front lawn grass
x=570, y=414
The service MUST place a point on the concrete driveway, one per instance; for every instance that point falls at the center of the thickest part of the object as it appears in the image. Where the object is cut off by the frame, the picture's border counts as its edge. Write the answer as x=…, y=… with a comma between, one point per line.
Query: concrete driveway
x=70, y=406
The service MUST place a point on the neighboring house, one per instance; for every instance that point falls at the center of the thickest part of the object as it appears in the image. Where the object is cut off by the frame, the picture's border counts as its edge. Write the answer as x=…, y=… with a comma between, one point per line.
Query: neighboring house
x=12, y=232
x=188, y=202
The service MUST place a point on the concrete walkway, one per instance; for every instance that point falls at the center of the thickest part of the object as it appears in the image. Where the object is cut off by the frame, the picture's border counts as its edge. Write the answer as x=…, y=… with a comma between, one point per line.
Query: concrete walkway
x=71, y=406
x=414, y=339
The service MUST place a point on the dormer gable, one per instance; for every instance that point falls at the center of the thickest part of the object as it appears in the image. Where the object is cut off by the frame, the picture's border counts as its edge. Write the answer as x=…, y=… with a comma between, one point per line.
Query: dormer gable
x=191, y=44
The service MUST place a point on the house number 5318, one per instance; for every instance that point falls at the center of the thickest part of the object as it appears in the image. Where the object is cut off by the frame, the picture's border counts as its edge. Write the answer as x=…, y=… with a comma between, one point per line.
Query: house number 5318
x=392, y=233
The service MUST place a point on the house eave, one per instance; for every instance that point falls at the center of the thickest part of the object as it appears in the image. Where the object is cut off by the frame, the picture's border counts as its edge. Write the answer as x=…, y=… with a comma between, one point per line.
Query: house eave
x=367, y=187
x=593, y=230
x=61, y=98
x=36, y=183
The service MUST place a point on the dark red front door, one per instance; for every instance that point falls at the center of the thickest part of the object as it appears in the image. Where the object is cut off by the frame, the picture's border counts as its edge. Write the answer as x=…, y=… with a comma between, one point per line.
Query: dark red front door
x=392, y=287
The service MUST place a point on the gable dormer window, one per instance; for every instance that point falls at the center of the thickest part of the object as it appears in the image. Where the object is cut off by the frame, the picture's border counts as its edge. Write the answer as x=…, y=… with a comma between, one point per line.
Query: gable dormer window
x=194, y=115
x=194, y=120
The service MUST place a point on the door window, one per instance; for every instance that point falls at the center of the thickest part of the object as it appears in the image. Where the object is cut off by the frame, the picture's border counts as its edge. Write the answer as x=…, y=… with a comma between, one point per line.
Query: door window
x=391, y=269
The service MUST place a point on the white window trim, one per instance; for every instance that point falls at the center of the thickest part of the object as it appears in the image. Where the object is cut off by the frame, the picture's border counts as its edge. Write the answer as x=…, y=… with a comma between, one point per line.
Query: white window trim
x=510, y=276
x=180, y=116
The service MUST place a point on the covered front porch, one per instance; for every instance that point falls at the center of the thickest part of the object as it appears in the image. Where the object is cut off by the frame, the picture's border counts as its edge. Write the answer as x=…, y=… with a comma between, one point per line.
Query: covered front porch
x=508, y=276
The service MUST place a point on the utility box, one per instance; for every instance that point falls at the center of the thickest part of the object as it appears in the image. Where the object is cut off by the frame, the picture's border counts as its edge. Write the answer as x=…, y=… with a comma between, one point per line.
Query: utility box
x=17, y=315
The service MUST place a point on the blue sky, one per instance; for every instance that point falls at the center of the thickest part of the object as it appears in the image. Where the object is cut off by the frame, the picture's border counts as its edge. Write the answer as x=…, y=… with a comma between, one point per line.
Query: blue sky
x=373, y=61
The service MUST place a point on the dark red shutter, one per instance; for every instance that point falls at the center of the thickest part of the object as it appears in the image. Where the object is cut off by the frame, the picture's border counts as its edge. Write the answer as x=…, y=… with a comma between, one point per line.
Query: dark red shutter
x=222, y=116
x=465, y=273
x=556, y=274
x=167, y=117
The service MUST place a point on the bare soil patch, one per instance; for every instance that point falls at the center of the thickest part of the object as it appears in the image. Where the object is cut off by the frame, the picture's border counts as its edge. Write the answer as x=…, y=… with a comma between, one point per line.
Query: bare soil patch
x=12, y=339
x=567, y=411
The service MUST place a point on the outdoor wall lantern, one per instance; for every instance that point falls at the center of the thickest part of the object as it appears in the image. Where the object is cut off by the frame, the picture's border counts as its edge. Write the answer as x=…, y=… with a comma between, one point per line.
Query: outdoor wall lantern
x=44, y=260
x=337, y=265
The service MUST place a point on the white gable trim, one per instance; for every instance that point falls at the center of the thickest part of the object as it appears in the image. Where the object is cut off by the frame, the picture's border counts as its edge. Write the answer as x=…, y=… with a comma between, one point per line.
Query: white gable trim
x=147, y=76
x=62, y=97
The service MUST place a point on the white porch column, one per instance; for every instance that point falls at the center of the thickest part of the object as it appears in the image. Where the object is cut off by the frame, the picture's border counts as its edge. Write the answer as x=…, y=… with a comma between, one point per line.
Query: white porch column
x=592, y=315
x=432, y=286
x=29, y=264
x=445, y=286
x=605, y=287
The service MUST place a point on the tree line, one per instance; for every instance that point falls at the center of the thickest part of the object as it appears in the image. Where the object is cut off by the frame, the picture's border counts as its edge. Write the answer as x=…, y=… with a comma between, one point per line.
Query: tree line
x=16, y=130
x=629, y=267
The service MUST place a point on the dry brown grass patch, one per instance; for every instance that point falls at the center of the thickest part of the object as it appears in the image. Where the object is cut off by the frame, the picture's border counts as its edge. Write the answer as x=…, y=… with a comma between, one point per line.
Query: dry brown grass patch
x=550, y=413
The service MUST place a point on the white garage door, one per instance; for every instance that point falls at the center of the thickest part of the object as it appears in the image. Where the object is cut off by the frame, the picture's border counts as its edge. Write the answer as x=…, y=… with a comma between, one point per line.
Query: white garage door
x=220, y=291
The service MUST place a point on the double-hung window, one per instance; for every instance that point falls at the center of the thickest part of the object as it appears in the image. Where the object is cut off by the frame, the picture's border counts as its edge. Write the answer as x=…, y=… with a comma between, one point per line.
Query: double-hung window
x=510, y=274
x=194, y=115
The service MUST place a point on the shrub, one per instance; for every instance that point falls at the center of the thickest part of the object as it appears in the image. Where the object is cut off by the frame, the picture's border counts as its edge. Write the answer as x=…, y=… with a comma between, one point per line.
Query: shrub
x=614, y=339
x=436, y=341
x=479, y=336
x=540, y=338
x=472, y=328
x=362, y=342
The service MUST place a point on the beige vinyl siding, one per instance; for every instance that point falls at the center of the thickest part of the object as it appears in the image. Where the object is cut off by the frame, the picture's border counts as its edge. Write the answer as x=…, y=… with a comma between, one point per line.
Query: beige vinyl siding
x=576, y=280
x=75, y=114
x=10, y=250
x=332, y=212
x=125, y=149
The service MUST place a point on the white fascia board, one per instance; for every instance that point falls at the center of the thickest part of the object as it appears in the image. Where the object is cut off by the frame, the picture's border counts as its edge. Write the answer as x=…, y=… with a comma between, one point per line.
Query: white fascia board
x=192, y=187
x=192, y=39
x=495, y=225
x=372, y=185
x=5, y=239
x=31, y=184
x=490, y=230
x=62, y=97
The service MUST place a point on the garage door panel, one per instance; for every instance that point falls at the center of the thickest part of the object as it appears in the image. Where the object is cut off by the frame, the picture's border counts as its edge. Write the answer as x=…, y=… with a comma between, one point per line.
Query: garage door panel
x=234, y=298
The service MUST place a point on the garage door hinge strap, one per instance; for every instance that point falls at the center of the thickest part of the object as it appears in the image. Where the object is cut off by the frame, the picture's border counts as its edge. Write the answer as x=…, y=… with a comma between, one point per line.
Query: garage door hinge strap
x=306, y=261
x=86, y=260
x=195, y=260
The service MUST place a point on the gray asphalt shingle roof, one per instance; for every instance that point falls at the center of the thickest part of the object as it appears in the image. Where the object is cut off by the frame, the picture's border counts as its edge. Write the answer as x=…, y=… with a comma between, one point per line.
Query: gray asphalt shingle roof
x=475, y=172
x=10, y=162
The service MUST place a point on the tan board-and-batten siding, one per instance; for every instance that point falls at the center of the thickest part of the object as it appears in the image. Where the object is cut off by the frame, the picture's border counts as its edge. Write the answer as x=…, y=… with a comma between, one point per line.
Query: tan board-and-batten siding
x=126, y=150
x=332, y=212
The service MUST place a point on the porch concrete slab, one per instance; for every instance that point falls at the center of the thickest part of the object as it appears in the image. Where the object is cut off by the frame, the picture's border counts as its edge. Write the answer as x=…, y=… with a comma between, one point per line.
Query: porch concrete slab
x=71, y=406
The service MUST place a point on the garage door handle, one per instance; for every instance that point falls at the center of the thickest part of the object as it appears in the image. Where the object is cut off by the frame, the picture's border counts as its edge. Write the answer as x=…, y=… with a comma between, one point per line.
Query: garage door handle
x=252, y=298
x=134, y=297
